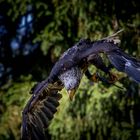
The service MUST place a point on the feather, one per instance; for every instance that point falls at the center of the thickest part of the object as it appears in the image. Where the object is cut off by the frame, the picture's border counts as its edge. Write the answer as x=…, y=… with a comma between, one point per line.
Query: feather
x=43, y=118
x=133, y=71
x=125, y=63
x=39, y=111
x=38, y=122
x=48, y=112
x=50, y=106
x=36, y=134
x=53, y=101
x=117, y=60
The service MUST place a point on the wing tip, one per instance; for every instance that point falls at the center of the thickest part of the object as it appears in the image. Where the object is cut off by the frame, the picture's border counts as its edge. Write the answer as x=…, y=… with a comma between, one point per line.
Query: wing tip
x=34, y=105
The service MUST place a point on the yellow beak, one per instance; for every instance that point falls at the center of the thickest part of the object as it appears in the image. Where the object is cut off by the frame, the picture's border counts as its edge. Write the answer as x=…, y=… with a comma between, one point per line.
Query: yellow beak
x=71, y=93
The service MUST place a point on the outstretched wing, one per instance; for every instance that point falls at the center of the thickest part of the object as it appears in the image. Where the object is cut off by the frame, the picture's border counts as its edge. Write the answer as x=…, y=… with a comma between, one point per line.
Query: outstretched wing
x=121, y=61
x=39, y=111
x=125, y=63
x=80, y=51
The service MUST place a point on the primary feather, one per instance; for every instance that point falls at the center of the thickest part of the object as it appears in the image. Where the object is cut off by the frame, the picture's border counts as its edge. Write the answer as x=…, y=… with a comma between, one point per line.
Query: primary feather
x=39, y=111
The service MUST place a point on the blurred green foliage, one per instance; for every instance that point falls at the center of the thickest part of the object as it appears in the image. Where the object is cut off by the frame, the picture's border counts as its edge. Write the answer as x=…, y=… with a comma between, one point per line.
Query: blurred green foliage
x=98, y=111
x=12, y=98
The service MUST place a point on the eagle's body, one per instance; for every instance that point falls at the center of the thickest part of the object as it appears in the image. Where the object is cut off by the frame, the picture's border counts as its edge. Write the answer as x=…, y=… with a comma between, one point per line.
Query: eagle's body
x=71, y=78
x=67, y=72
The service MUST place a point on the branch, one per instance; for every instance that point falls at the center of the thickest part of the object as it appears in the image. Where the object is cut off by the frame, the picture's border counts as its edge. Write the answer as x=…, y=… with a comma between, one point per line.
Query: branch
x=114, y=37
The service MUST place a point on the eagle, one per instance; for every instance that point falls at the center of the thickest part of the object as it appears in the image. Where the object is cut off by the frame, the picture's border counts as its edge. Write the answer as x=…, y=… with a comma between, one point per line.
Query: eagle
x=67, y=73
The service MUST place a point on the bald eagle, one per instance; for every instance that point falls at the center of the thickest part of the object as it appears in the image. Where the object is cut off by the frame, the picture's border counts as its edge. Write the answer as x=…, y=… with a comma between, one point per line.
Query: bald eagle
x=68, y=72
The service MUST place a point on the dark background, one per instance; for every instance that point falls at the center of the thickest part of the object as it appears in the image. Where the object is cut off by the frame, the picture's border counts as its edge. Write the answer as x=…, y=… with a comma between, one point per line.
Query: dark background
x=33, y=34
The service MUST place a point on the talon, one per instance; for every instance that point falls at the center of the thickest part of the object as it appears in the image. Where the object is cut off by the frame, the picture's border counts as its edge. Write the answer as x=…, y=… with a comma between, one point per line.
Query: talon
x=94, y=78
x=113, y=78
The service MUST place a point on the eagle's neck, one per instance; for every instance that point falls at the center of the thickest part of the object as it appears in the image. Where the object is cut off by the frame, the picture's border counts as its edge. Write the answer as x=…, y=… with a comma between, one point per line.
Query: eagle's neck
x=71, y=78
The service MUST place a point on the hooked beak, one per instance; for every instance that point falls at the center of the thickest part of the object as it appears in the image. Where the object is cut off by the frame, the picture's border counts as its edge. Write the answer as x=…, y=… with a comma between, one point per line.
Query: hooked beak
x=71, y=93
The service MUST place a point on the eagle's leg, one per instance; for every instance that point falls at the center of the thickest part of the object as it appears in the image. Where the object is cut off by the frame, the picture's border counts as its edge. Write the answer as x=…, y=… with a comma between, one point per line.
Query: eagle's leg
x=95, y=77
x=112, y=78
x=91, y=77
x=97, y=61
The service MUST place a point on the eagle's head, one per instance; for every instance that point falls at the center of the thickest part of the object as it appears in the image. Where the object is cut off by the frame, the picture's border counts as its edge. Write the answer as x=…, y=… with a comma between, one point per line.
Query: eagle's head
x=71, y=80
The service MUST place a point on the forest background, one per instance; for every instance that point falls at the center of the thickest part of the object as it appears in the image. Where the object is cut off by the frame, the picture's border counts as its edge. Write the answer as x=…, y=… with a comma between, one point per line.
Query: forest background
x=33, y=35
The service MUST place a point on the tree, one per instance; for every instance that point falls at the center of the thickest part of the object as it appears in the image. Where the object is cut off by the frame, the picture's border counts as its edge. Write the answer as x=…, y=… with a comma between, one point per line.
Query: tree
x=40, y=31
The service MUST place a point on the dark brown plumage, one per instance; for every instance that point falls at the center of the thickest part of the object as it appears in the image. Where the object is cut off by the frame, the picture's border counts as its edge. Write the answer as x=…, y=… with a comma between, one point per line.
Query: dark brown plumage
x=67, y=72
